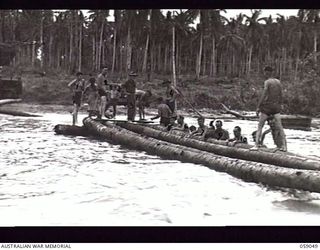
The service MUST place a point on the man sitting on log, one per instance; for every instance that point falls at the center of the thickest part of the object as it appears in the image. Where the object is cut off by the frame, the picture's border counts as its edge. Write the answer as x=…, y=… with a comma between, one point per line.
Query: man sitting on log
x=77, y=85
x=179, y=126
x=210, y=131
x=238, y=138
x=269, y=104
x=164, y=112
x=201, y=131
x=220, y=133
x=192, y=128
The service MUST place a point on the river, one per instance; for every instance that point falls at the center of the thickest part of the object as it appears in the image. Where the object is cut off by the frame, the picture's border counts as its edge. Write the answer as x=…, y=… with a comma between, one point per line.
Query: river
x=55, y=180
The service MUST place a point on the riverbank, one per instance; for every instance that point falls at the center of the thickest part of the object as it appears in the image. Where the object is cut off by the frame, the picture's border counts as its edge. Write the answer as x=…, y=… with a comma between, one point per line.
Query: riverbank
x=209, y=93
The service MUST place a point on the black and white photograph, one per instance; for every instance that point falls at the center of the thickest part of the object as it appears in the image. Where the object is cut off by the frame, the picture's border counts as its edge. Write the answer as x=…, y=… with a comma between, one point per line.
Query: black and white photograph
x=159, y=117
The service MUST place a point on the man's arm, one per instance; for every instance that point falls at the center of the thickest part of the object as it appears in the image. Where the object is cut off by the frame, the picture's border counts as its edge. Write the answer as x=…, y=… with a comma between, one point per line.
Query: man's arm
x=71, y=83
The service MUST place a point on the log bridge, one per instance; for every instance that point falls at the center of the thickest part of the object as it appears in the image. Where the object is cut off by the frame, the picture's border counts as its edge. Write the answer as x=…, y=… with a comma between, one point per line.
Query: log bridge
x=272, y=169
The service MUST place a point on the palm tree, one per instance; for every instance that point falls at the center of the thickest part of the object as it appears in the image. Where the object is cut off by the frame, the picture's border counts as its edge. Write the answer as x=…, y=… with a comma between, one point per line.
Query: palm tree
x=216, y=26
x=98, y=19
x=312, y=16
x=254, y=32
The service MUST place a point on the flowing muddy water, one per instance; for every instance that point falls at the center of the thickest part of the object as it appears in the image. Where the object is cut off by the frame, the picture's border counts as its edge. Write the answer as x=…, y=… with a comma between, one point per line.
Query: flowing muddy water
x=49, y=180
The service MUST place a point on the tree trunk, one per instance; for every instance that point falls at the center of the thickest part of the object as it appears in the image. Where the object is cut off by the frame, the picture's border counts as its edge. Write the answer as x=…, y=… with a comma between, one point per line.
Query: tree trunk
x=129, y=50
x=282, y=160
x=166, y=52
x=80, y=49
x=17, y=113
x=199, y=57
x=213, y=58
x=145, y=56
x=174, y=80
x=159, y=58
x=100, y=47
x=51, y=56
x=255, y=172
x=33, y=59
x=74, y=130
x=114, y=49
x=249, y=60
x=70, y=47
x=93, y=53
x=8, y=101
x=315, y=38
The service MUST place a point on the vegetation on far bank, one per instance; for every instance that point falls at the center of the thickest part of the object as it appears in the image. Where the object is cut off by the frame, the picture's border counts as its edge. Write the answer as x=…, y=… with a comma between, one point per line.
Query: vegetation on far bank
x=219, y=60
x=207, y=92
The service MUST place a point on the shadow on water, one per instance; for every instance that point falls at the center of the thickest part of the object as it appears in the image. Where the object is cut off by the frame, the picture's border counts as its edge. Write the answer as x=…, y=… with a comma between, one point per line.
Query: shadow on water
x=305, y=206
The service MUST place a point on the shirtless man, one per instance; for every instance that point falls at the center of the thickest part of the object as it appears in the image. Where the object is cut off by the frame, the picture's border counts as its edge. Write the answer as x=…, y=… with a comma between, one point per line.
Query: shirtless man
x=102, y=90
x=201, y=131
x=143, y=101
x=77, y=86
x=164, y=112
x=269, y=104
x=238, y=138
x=220, y=133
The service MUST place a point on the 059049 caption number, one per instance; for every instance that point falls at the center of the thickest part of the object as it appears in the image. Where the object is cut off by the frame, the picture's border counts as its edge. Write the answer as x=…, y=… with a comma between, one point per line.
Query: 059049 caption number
x=306, y=246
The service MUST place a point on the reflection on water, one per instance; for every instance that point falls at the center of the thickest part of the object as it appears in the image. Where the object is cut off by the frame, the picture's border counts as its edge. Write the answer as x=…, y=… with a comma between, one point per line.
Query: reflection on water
x=303, y=206
x=49, y=179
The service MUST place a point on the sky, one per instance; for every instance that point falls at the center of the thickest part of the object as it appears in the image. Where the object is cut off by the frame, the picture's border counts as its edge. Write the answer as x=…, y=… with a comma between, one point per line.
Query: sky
x=265, y=12
x=230, y=13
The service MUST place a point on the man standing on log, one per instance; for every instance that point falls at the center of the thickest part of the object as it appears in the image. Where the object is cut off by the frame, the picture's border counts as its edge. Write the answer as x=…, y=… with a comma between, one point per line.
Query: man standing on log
x=143, y=101
x=77, y=85
x=130, y=88
x=171, y=96
x=92, y=91
x=278, y=139
x=269, y=104
x=102, y=90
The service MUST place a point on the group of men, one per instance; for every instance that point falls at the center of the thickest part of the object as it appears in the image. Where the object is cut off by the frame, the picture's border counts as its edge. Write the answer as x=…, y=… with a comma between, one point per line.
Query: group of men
x=268, y=110
x=102, y=95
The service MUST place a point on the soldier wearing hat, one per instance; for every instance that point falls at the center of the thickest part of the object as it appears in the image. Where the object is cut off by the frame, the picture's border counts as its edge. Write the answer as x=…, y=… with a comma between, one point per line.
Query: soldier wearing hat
x=130, y=89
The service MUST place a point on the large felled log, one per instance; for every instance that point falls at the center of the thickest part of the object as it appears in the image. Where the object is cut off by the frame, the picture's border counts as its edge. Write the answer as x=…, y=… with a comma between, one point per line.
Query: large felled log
x=17, y=113
x=308, y=180
x=232, y=152
x=70, y=130
x=7, y=101
x=238, y=145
